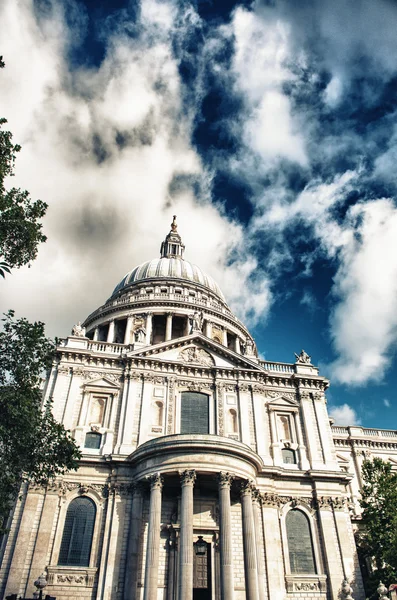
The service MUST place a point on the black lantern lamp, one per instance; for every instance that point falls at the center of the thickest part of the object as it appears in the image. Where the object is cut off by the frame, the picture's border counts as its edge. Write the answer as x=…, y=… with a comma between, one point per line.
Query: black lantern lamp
x=200, y=547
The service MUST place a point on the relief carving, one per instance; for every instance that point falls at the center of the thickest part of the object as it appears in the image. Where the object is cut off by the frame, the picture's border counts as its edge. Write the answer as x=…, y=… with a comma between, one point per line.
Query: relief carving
x=194, y=355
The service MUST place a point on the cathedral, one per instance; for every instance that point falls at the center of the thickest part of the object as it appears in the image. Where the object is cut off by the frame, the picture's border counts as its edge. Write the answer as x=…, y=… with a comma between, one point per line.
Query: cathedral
x=207, y=473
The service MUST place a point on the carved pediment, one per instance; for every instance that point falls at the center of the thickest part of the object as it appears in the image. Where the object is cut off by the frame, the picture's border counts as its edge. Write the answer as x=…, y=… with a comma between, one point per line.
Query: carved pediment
x=97, y=380
x=196, y=349
x=283, y=400
x=196, y=356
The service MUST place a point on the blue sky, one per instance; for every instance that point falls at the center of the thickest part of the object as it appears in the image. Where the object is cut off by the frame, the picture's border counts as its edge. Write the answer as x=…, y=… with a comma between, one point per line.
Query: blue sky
x=269, y=128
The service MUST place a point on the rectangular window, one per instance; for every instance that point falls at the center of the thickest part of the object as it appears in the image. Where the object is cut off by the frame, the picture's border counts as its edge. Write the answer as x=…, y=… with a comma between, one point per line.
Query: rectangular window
x=194, y=413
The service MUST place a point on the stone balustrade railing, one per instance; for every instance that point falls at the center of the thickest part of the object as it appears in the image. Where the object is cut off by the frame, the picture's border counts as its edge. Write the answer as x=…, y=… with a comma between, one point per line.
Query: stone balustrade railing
x=351, y=431
x=107, y=348
x=277, y=367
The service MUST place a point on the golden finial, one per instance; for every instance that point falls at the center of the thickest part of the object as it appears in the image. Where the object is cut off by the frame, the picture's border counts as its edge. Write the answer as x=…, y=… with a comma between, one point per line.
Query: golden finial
x=174, y=226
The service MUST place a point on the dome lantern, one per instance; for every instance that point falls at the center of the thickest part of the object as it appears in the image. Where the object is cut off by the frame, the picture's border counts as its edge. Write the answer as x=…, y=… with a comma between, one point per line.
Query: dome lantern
x=172, y=247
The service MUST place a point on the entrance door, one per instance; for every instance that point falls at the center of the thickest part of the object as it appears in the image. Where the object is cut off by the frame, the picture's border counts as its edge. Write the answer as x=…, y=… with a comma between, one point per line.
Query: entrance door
x=202, y=575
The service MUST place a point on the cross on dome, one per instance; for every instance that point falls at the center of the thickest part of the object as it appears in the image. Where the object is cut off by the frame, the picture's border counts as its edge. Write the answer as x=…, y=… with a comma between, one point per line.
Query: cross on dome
x=172, y=247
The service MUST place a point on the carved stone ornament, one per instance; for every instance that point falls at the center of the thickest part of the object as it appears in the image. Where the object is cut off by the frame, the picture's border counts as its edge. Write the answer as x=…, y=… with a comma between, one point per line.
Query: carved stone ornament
x=63, y=370
x=247, y=487
x=225, y=479
x=66, y=576
x=329, y=502
x=196, y=321
x=78, y=330
x=156, y=481
x=306, y=583
x=83, y=488
x=114, y=377
x=187, y=477
x=244, y=387
x=171, y=401
x=122, y=489
x=196, y=356
x=248, y=347
x=303, y=358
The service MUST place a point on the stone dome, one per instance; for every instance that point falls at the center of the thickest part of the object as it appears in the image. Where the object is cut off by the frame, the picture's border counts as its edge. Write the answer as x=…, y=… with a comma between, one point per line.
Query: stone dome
x=169, y=268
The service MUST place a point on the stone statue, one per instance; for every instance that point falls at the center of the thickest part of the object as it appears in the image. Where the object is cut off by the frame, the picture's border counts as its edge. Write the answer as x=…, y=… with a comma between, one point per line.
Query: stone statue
x=303, y=358
x=78, y=330
x=140, y=334
x=248, y=347
x=196, y=321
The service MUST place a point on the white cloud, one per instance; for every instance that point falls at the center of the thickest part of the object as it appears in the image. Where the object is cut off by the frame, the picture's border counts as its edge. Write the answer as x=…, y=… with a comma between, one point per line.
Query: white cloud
x=364, y=323
x=344, y=415
x=102, y=147
x=333, y=91
x=386, y=402
x=259, y=68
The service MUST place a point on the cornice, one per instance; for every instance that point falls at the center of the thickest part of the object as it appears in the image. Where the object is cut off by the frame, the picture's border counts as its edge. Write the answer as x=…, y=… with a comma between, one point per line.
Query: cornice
x=364, y=443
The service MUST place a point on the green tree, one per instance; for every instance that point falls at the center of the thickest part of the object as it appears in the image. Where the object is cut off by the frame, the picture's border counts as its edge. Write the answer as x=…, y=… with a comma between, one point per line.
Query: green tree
x=20, y=227
x=33, y=446
x=378, y=538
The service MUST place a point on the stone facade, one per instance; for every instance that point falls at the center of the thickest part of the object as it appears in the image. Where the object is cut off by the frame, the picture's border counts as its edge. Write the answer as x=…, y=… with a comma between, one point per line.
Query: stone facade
x=244, y=476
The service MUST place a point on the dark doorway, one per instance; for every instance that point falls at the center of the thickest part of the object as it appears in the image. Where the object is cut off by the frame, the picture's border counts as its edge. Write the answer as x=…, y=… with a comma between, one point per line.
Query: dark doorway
x=202, y=575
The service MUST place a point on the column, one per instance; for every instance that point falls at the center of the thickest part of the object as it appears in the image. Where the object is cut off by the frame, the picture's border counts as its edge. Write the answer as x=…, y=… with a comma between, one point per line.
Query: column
x=259, y=544
x=333, y=559
x=185, y=583
x=273, y=547
x=351, y=567
x=131, y=569
x=149, y=317
x=168, y=327
x=208, y=329
x=303, y=462
x=39, y=559
x=187, y=326
x=110, y=338
x=20, y=557
x=275, y=446
x=310, y=425
x=153, y=538
x=127, y=336
x=324, y=427
x=238, y=349
x=250, y=564
x=225, y=536
x=96, y=333
x=224, y=333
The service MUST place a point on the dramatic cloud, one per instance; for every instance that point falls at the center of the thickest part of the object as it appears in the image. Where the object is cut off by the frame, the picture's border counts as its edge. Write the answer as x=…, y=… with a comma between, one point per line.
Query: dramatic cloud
x=109, y=149
x=364, y=323
x=280, y=113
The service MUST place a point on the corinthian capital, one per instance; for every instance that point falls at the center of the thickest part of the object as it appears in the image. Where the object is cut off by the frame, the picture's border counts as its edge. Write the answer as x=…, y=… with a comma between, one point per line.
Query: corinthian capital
x=156, y=481
x=247, y=487
x=224, y=479
x=188, y=477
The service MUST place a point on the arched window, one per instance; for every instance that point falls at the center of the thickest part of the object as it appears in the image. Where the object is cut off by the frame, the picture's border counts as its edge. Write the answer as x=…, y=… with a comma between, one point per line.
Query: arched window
x=289, y=456
x=300, y=544
x=77, y=533
x=194, y=412
x=93, y=440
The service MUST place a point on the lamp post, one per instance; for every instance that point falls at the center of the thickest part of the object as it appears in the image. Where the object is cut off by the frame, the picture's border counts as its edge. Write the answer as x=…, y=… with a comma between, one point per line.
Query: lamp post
x=40, y=584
